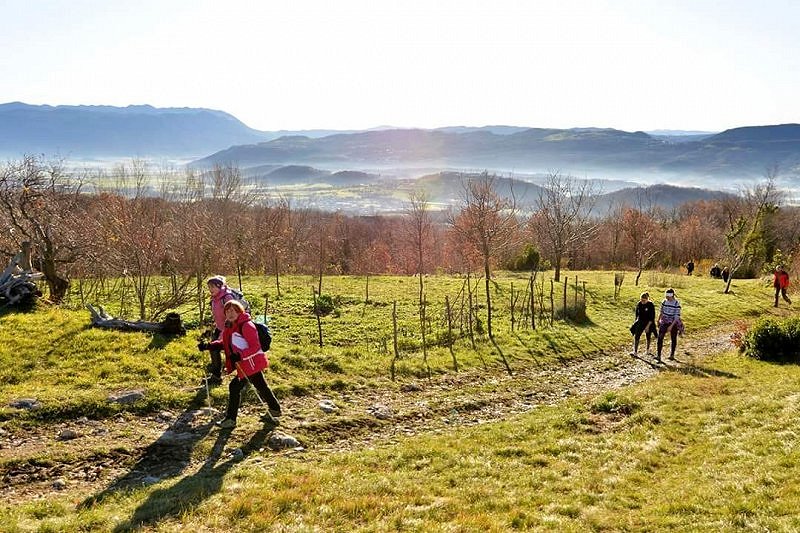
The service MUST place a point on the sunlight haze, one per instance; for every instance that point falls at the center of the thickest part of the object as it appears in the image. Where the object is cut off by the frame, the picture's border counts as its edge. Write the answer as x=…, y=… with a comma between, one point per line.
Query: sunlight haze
x=632, y=65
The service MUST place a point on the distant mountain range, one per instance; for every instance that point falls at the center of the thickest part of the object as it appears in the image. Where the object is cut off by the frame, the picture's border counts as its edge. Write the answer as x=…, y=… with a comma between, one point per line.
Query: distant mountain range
x=732, y=154
x=78, y=132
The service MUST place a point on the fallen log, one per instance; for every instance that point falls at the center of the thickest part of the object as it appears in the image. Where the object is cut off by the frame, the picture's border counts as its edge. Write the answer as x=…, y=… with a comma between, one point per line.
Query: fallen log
x=17, y=281
x=171, y=325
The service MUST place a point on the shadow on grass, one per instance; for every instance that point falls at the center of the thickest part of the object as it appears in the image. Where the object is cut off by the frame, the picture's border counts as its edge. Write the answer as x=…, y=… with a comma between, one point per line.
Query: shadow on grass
x=159, y=341
x=533, y=358
x=554, y=347
x=699, y=371
x=164, y=458
x=192, y=490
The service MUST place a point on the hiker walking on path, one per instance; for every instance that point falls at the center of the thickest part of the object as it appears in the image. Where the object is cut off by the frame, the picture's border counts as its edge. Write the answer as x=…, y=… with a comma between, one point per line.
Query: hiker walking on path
x=220, y=295
x=716, y=272
x=243, y=353
x=781, y=282
x=690, y=267
x=669, y=321
x=645, y=322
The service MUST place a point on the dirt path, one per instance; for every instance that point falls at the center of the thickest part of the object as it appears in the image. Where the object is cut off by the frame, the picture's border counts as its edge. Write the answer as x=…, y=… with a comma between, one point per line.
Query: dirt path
x=101, y=457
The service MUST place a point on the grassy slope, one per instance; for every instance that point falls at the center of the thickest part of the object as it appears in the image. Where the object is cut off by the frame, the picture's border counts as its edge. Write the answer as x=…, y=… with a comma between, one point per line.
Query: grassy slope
x=714, y=447
x=679, y=459
x=55, y=356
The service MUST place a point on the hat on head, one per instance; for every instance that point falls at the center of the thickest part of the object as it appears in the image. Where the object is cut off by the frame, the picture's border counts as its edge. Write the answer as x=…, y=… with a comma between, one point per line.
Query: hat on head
x=669, y=292
x=219, y=281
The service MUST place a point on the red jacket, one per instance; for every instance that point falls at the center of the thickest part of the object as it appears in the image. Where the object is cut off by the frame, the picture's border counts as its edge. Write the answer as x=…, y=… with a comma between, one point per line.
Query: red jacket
x=781, y=280
x=242, y=338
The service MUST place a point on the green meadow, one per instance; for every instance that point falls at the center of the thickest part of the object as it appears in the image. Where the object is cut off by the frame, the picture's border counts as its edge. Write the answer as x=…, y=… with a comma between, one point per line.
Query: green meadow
x=710, y=447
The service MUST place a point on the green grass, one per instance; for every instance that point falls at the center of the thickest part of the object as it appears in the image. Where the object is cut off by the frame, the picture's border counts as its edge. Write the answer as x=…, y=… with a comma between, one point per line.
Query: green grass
x=53, y=354
x=714, y=447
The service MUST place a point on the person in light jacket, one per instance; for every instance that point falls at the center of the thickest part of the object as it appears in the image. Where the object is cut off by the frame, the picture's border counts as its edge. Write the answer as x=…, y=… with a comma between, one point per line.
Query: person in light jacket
x=669, y=321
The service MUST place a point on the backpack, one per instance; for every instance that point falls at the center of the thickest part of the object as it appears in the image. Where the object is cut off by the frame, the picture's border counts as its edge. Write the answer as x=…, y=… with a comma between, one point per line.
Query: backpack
x=239, y=297
x=264, y=335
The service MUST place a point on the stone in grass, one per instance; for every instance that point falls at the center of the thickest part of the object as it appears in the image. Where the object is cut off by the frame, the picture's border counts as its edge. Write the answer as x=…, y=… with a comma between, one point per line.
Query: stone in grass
x=25, y=403
x=380, y=411
x=280, y=441
x=410, y=387
x=237, y=454
x=173, y=438
x=68, y=434
x=150, y=480
x=126, y=397
x=59, y=484
x=4, y=433
x=328, y=406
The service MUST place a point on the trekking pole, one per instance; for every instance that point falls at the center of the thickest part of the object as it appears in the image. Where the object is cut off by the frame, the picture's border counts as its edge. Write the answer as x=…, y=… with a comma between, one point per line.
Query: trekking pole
x=239, y=368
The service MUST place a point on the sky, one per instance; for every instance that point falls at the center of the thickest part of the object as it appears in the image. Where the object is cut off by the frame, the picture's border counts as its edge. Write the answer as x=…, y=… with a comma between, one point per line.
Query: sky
x=300, y=64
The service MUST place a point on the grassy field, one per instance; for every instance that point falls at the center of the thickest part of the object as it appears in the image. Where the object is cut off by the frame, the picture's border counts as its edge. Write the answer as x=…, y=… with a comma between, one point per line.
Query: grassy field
x=709, y=447
x=54, y=355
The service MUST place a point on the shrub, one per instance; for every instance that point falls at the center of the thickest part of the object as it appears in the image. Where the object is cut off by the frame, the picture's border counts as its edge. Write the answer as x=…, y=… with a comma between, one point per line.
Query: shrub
x=613, y=403
x=772, y=340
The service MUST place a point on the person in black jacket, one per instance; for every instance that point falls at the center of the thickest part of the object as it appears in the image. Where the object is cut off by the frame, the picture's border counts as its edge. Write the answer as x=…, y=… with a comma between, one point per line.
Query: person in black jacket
x=645, y=322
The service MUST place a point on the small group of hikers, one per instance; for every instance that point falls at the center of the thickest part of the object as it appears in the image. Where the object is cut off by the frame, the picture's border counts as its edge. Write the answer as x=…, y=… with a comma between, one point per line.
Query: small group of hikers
x=669, y=316
x=237, y=336
x=719, y=273
x=669, y=322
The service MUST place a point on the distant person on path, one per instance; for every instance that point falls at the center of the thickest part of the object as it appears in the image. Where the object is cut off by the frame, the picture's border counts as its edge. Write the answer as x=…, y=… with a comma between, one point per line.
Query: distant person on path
x=669, y=321
x=715, y=272
x=243, y=353
x=781, y=282
x=220, y=295
x=689, y=267
x=725, y=274
x=645, y=322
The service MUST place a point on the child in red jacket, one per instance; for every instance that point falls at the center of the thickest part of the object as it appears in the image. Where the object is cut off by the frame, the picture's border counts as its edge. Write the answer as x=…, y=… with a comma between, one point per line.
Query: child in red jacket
x=243, y=353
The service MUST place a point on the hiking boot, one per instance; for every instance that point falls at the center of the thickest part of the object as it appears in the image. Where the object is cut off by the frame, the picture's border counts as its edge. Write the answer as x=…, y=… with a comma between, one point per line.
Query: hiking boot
x=267, y=418
x=226, y=423
x=671, y=357
x=211, y=381
x=633, y=354
x=276, y=413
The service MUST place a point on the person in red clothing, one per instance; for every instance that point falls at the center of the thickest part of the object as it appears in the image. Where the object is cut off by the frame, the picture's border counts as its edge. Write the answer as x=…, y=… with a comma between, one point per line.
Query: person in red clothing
x=243, y=353
x=781, y=282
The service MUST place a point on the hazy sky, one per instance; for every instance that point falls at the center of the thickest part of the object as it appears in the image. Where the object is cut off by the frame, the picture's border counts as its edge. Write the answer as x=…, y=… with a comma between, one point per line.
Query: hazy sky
x=293, y=64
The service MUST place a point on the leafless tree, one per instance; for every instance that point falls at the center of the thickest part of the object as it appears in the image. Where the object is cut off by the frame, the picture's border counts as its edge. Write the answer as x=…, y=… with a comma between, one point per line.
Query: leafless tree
x=43, y=204
x=562, y=218
x=489, y=224
x=418, y=232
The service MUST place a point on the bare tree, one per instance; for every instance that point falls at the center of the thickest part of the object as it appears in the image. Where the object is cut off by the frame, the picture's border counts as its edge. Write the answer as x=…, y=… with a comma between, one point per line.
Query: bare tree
x=44, y=205
x=747, y=217
x=488, y=223
x=418, y=231
x=562, y=216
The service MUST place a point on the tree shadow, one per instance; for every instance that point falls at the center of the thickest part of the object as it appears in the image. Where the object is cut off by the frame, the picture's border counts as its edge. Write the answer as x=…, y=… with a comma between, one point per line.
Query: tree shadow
x=554, y=347
x=535, y=360
x=695, y=370
x=164, y=458
x=159, y=341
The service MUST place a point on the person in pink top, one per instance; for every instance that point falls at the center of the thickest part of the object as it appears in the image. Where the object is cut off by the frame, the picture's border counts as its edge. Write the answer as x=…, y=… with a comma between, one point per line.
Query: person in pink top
x=243, y=353
x=220, y=295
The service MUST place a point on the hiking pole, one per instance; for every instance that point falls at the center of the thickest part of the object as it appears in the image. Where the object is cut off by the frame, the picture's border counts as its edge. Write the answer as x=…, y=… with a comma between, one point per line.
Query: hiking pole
x=239, y=368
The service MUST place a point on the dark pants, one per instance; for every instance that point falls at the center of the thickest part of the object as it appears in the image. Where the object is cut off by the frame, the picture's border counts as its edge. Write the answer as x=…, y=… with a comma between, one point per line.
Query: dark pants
x=264, y=392
x=781, y=292
x=662, y=332
x=650, y=333
x=215, y=368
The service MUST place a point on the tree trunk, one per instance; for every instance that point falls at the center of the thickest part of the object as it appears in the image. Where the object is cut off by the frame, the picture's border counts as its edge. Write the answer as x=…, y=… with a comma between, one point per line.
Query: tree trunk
x=277, y=277
x=487, y=273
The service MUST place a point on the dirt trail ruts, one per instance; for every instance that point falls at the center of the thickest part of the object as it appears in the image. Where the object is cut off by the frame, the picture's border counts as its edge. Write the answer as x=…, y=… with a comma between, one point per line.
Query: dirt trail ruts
x=128, y=450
